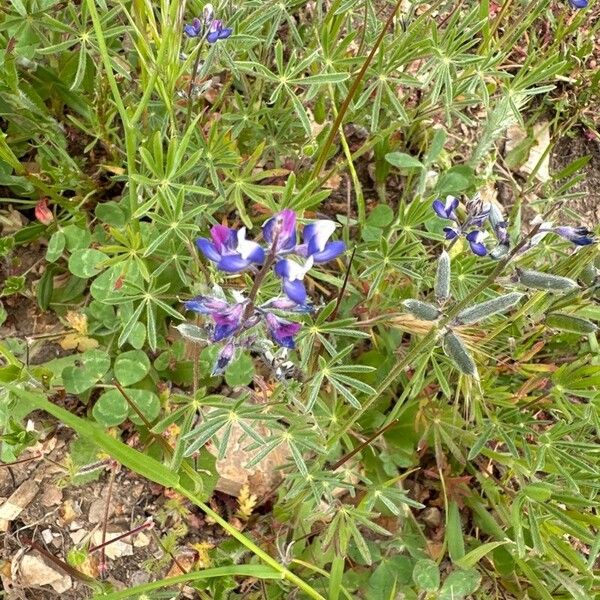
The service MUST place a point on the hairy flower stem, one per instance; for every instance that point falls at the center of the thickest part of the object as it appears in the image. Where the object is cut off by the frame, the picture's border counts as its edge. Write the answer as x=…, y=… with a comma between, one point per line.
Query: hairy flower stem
x=430, y=339
x=260, y=276
x=190, y=89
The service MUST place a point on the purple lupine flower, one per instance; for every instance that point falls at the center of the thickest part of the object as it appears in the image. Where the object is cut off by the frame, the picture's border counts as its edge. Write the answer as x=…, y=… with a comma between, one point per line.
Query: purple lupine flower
x=578, y=4
x=475, y=239
x=445, y=210
x=282, y=331
x=194, y=29
x=315, y=244
x=216, y=31
x=228, y=322
x=223, y=358
x=281, y=231
x=292, y=274
x=230, y=249
x=206, y=305
x=227, y=317
x=580, y=236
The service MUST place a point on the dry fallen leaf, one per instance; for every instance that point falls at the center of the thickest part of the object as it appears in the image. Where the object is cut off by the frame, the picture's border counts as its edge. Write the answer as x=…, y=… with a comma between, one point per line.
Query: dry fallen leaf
x=17, y=502
x=79, y=339
x=538, y=151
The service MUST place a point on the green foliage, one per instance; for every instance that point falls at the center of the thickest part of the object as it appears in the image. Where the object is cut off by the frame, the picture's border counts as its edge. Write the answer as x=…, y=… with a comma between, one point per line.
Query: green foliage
x=482, y=402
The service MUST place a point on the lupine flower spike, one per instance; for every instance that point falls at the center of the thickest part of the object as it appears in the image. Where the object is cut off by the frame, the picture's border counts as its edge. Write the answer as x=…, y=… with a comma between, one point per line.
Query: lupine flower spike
x=208, y=27
x=233, y=253
x=477, y=214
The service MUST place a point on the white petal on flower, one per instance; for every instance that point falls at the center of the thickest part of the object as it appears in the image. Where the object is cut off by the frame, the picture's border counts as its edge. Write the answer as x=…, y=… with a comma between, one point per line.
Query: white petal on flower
x=296, y=271
x=244, y=246
x=323, y=231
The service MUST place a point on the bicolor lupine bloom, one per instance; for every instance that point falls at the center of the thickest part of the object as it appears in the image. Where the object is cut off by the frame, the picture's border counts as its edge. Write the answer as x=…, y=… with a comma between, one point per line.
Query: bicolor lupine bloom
x=477, y=212
x=231, y=252
x=580, y=236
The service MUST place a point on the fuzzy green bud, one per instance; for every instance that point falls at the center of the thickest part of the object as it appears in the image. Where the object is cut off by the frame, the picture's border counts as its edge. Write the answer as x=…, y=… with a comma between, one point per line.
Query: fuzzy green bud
x=455, y=348
x=545, y=281
x=421, y=310
x=486, y=309
x=442, y=277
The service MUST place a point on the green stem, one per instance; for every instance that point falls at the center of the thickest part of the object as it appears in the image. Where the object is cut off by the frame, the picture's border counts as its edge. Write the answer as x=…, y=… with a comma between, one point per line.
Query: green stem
x=430, y=339
x=233, y=532
x=129, y=129
x=351, y=93
x=190, y=90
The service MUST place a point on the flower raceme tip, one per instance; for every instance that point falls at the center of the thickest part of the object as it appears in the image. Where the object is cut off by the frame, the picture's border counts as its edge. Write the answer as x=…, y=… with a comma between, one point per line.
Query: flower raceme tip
x=207, y=27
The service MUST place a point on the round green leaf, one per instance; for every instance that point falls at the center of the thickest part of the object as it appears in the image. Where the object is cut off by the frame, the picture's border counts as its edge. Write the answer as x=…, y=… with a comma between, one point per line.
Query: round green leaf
x=147, y=402
x=103, y=286
x=86, y=263
x=426, y=575
x=90, y=367
x=56, y=245
x=131, y=367
x=111, y=214
x=240, y=371
x=76, y=238
x=111, y=408
x=460, y=584
x=381, y=216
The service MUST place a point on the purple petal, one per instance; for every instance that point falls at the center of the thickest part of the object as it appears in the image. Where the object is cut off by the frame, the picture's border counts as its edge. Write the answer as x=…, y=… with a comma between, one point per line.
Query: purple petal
x=451, y=204
x=475, y=239
x=282, y=227
x=256, y=254
x=282, y=268
x=225, y=33
x=228, y=322
x=191, y=31
x=248, y=250
x=578, y=4
x=223, y=237
x=233, y=263
x=478, y=249
x=208, y=249
x=294, y=290
x=282, y=331
x=450, y=233
x=206, y=305
x=331, y=251
x=212, y=37
x=439, y=209
x=577, y=235
x=223, y=359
